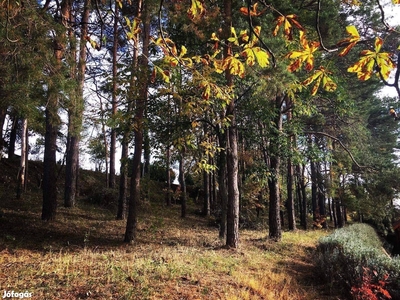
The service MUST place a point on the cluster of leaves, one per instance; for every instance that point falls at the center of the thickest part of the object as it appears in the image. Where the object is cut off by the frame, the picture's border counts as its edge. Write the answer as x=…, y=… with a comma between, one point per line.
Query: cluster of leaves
x=371, y=288
x=370, y=62
x=344, y=256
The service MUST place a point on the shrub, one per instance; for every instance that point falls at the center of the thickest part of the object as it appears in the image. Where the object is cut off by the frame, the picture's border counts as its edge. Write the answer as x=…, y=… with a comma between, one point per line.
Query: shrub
x=354, y=257
x=105, y=197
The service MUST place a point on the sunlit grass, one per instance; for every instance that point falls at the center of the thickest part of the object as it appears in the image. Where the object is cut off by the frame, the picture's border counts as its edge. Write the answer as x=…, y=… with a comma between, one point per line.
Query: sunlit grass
x=81, y=255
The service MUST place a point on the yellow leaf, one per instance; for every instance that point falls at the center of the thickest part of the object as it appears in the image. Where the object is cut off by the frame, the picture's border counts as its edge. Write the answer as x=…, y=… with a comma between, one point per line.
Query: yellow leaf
x=164, y=74
x=371, y=62
x=253, y=12
x=183, y=51
x=244, y=36
x=214, y=37
x=249, y=55
x=262, y=56
x=196, y=9
x=288, y=22
x=328, y=84
x=234, y=66
x=306, y=55
x=320, y=75
x=218, y=66
x=350, y=41
x=396, y=1
x=233, y=39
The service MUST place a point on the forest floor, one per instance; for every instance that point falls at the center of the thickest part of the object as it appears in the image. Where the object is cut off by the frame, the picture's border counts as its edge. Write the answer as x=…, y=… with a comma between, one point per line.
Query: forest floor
x=81, y=255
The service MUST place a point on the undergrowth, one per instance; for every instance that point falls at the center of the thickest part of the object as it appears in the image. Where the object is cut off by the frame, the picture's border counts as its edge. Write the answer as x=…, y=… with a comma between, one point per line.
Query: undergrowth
x=81, y=255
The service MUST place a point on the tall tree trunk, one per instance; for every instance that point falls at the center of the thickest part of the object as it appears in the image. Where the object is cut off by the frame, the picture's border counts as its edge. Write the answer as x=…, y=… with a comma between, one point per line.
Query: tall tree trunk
x=301, y=191
x=23, y=160
x=290, y=181
x=13, y=137
x=141, y=101
x=232, y=233
x=113, y=137
x=206, y=188
x=75, y=118
x=232, y=223
x=49, y=207
x=49, y=165
x=146, y=152
x=314, y=191
x=290, y=198
x=3, y=113
x=182, y=183
x=123, y=178
x=169, y=179
x=275, y=227
x=222, y=184
x=103, y=135
x=321, y=198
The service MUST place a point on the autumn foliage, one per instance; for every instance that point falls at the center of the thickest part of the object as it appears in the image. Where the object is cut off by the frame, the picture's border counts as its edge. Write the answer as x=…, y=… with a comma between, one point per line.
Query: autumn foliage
x=248, y=51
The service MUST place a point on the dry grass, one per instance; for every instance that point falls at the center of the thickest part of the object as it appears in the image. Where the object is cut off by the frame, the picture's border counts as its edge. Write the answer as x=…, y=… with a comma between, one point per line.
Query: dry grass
x=81, y=256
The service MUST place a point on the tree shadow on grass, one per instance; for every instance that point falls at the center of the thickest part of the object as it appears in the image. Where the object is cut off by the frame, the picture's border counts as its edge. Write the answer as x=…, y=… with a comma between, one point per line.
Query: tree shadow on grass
x=70, y=231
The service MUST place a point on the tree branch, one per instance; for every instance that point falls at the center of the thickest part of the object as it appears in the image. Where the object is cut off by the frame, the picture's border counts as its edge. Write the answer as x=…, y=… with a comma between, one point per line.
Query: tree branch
x=341, y=144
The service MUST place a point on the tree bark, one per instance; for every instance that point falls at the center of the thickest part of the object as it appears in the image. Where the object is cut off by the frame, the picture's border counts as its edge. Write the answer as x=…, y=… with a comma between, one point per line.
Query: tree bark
x=232, y=223
x=182, y=183
x=290, y=198
x=23, y=160
x=301, y=192
x=223, y=192
x=314, y=190
x=123, y=178
x=141, y=101
x=49, y=207
x=275, y=225
x=75, y=118
x=13, y=137
x=321, y=198
x=113, y=137
x=206, y=188
x=290, y=182
x=3, y=113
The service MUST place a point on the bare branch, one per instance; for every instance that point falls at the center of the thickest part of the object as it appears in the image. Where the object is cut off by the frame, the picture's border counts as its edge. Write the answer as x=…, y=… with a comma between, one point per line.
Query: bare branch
x=342, y=145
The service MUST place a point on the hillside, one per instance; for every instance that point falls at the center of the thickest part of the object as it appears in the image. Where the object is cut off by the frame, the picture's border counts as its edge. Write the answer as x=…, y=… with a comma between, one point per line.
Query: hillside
x=81, y=254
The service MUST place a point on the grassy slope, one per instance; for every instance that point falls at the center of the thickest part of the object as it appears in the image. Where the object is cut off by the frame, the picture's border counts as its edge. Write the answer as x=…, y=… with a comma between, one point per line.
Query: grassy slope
x=81, y=256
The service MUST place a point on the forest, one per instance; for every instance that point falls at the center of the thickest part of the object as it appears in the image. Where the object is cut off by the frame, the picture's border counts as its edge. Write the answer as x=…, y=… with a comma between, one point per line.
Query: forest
x=278, y=117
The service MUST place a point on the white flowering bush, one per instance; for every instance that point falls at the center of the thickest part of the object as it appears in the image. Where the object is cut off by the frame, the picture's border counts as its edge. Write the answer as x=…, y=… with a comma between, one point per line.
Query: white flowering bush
x=353, y=258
